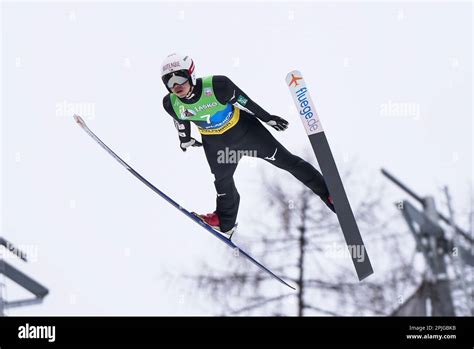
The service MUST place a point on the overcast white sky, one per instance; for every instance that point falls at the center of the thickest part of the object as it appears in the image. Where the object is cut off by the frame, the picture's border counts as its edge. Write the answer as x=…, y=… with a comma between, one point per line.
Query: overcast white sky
x=102, y=239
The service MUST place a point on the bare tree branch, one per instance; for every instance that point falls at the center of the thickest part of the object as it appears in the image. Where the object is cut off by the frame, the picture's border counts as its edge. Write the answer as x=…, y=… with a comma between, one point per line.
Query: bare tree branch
x=299, y=248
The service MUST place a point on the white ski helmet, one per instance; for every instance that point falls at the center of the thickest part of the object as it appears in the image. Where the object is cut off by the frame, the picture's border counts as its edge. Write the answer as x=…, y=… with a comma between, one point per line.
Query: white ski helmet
x=179, y=66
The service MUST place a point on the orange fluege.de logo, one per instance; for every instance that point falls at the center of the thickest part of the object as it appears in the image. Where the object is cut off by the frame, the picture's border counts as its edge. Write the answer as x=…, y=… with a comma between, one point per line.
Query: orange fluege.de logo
x=294, y=79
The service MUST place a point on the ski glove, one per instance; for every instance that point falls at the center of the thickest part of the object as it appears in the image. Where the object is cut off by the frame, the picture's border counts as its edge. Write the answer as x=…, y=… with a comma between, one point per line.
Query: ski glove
x=191, y=143
x=278, y=123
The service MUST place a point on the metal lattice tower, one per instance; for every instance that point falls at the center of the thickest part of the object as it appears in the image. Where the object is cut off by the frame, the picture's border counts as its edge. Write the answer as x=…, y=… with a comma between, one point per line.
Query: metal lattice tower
x=12, y=273
x=432, y=241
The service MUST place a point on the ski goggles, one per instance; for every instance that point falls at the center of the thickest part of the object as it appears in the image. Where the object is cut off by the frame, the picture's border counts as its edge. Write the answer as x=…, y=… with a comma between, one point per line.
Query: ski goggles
x=174, y=78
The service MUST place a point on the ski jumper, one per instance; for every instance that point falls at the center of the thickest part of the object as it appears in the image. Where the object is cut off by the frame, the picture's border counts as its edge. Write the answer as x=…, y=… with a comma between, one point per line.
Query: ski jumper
x=227, y=120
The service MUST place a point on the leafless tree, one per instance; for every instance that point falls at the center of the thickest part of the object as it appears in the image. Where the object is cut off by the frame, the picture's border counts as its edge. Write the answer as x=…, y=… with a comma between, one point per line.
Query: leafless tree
x=301, y=240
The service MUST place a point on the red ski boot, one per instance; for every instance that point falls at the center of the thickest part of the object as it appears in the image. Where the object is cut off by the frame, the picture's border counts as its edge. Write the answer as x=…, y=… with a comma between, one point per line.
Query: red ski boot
x=212, y=220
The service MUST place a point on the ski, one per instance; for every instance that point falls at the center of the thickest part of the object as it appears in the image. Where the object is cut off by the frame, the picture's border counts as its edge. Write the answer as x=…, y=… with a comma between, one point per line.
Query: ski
x=323, y=153
x=238, y=251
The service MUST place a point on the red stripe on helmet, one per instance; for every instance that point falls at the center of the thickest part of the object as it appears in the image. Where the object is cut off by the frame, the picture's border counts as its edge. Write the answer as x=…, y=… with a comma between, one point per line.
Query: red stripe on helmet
x=191, y=68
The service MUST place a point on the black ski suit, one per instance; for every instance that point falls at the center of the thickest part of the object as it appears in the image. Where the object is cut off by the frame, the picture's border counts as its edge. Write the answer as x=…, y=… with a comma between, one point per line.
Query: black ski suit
x=248, y=136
